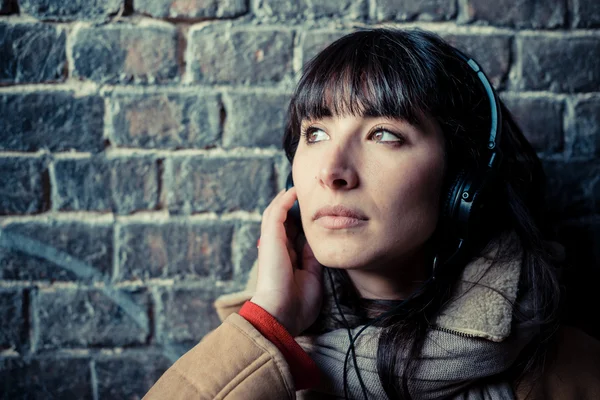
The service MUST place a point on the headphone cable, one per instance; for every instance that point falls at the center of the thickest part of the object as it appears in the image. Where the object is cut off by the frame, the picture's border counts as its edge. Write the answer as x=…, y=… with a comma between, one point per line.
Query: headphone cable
x=386, y=314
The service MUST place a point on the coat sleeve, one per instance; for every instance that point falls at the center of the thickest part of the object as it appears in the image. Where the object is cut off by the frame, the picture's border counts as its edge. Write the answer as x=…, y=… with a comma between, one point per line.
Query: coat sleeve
x=232, y=362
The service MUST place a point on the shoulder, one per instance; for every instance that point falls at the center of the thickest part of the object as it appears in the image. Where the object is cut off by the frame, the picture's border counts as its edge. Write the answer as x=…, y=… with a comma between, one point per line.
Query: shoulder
x=571, y=371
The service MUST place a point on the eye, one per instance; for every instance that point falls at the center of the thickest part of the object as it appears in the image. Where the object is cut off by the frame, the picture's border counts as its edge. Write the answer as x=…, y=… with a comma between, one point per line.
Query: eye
x=382, y=135
x=314, y=135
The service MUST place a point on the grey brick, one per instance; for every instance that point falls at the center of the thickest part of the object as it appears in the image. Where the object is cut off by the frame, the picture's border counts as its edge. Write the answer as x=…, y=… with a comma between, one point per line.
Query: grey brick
x=256, y=119
x=492, y=53
x=586, y=13
x=175, y=250
x=403, y=10
x=126, y=54
x=31, y=53
x=566, y=64
x=202, y=184
x=56, y=121
x=192, y=9
x=584, y=129
x=167, y=121
x=517, y=13
x=24, y=185
x=87, y=317
x=46, y=378
x=541, y=120
x=72, y=10
x=130, y=375
x=243, y=56
x=122, y=185
x=307, y=9
x=573, y=188
x=13, y=314
x=89, y=243
x=187, y=314
x=245, y=252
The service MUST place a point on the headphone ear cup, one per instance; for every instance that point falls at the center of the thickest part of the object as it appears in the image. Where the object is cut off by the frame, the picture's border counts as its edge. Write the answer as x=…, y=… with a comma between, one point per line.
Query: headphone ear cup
x=452, y=198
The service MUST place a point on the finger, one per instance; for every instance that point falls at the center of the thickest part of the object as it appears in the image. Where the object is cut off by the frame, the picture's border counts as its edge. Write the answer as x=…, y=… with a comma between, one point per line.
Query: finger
x=274, y=224
x=267, y=211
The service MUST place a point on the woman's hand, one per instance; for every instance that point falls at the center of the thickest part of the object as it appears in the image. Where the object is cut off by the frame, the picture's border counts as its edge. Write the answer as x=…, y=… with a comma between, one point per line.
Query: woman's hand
x=291, y=295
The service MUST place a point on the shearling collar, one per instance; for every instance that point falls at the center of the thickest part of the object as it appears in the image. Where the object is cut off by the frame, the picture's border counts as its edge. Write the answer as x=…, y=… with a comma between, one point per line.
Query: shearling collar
x=482, y=304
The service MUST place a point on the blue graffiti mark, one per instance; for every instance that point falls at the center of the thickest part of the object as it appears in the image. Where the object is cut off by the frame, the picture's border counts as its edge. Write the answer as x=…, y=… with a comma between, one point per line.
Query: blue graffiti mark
x=14, y=241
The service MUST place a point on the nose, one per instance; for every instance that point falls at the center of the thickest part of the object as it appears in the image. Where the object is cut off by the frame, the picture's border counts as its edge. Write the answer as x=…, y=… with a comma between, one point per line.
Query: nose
x=338, y=169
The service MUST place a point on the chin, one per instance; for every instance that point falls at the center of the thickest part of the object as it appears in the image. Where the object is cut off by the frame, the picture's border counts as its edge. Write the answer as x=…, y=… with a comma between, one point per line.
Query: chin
x=341, y=258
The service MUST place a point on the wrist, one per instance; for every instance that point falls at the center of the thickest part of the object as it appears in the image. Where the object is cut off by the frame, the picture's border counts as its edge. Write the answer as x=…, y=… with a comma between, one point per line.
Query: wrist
x=276, y=311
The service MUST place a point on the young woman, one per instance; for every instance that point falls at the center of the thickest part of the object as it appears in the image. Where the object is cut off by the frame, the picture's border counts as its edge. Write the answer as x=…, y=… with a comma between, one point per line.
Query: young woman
x=422, y=198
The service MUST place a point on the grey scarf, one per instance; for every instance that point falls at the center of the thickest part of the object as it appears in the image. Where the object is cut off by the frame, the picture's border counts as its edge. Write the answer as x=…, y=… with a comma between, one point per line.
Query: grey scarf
x=474, y=340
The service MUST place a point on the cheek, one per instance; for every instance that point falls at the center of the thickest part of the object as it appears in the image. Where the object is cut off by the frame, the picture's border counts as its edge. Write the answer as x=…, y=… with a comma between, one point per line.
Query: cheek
x=417, y=200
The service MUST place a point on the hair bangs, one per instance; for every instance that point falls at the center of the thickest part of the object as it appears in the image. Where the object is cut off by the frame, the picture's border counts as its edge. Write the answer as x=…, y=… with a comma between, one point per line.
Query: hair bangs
x=363, y=76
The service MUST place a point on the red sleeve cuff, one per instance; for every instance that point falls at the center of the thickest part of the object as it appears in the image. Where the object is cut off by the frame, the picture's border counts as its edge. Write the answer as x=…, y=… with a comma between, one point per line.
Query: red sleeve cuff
x=304, y=370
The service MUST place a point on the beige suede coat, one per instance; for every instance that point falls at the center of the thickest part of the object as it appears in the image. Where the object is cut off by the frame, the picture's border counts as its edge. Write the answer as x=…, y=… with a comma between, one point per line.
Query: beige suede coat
x=236, y=362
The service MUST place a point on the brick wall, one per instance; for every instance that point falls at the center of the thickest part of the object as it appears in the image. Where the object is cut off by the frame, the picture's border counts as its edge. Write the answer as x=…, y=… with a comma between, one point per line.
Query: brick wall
x=139, y=143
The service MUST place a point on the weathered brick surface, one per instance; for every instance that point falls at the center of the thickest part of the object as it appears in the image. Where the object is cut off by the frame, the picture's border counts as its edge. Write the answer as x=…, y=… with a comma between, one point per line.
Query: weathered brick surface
x=586, y=13
x=242, y=56
x=122, y=185
x=71, y=10
x=244, y=249
x=192, y=8
x=130, y=375
x=166, y=121
x=573, y=188
x=561, y=64
x=175, y=250
x=13, y=314
x=492, y=53
x=54, y=120
x=541, y=120
x=46, y=378
x=24, y=185
x=307, y=9
x=402, y=10
x=254, y=120
x=126, y=54
x=187, y=314
x=516, y=13
x=87, y=317
x=584, y=135
x=202, y=184
x=89, y=243
x=31, y=53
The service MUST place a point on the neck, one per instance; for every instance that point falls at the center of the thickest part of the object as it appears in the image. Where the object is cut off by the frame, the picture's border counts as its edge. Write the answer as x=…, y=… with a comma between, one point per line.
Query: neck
x=395, y=281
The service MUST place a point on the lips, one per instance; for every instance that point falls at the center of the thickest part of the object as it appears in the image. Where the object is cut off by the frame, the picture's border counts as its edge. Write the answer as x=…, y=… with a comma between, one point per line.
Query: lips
x=340, y=211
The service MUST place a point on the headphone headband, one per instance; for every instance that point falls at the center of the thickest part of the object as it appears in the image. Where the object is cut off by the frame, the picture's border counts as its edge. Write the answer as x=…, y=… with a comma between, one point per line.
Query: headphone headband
x=495, y=111
x=468, y=194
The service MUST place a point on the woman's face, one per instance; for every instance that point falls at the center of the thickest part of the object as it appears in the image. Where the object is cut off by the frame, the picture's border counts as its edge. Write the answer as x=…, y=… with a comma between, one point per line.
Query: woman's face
x=368, y=189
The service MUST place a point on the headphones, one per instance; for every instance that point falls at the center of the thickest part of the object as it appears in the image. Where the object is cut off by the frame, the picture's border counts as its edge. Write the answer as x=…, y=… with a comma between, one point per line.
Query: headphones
x=468, y=192
x=465, y=199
